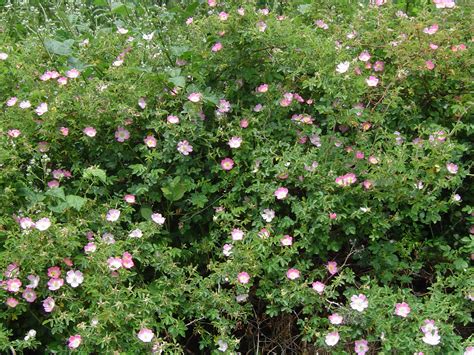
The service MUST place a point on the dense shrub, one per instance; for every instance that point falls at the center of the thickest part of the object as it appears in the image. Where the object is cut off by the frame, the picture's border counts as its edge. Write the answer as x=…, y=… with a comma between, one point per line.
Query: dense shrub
x=220, y=178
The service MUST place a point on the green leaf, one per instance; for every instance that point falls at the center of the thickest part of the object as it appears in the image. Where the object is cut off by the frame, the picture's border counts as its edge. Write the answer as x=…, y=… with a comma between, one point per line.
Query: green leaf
x=60, y=208
x=137, y=169
x=59, y=48
x=146, y=212
x=199, y=200
x=94, y=172
x=175, y=189
x=75, y=202
x=57, y=192
x=179, y=81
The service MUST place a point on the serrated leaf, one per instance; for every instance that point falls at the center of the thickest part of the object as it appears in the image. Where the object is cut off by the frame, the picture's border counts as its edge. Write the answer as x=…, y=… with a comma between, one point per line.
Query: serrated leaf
x=59, y=48
x=146, y=212
x=76, y=202
x=94, y=172
x=179, y=81
x=57, y=192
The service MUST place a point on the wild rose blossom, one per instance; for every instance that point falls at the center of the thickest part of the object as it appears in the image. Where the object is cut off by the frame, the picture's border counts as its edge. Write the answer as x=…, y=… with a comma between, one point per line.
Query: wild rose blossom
x=335, y=319
x=286, y=240
x=346, y=180
x=227, y=249
x=332, y=338
x=243, y=277
x=114, y=263
x=452, y=168
x=49, y=304
x=127, y=260
x=402, y=309
x=235, y=142
x=34, y=281
x=342, y=67
x=74, y=278
x=121, y=134
x=13, y=285
x=263, y=88
x=90, y=248
x=150, y=141
x=43, y=224
x=364, y=56
x=431, y=30
x=359, y=302
x=216, y=47
x=227, y=164
x=90, y=131
x=372, y=81
x=42, y=109
x=195, y=97
x=268, y=215
x=145, y=335
x=172, y=119
x=158, y=218
x=361, y=347
x=237, y=234
x=281, y=193
x=54, y=272
x=293, y=274
x=332, y=267
x=55, y=284
x=184, y=147
x=12, y=101
x=29, y=295
x=73, y=73
x=3, y=56
x=112, y=215
x=136, y=233
x=24, y=104
x=11, y=302
x=74, y=341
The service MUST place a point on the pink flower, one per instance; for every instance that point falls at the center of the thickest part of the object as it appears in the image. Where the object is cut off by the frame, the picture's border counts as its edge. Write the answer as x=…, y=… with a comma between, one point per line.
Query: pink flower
x=29, y=295
x=281, y=193
x=286, y=240
x=216, y=47
x=321, y=24
x=335, y=319
x=429, y=65
x=431, y=338
x=431, y=30
x=34, y=281
x=54, y=272
x=189, y=21
x=150, y=141
x=223, y=16
x=244, y=123
x=13, y=285
x=146, y=335
x=332, y=267
x=332, y=338
x=261, y=26
x=444, y=4
x=43, y=224
x=55, y=284
x=241, y=11
x=25, y=104
x=372, y=81
x=184, y=147
x=224, y=106
x=235, y=142
x=73, y=73
x=114, y=263
x=433, y=46
x=346, y=180
x=469, y=350
x=49, y=304
x=364, y=56
x=173, y=119
x=332, y=215
x=11, y=302
x=129, y=198
x=402, y=309
x=342, y=67
x=452, y=168
x=64, y=131
x=90, y=248
x=158, y=218
x=237, y=234
x=293, y=274
x=12, y=101
x=74, y=341
x=14, y=133
x=127, y=261
x=121, y=134
x=142, y=103
x=268, y=215
x=361, y=346
x=263, y=88
x=379, y=66
x=74, y=278
x=318, y=287
x=359, y=302
x=90, y=131
x=42, y=109
x=62, y=81
x=12, y=270
x=227, y=164
x=136, y=233
x=367, y=184
x=243, y=277
x=195, y=97
x=227, y=249
x=112, y=215
x=258, y=108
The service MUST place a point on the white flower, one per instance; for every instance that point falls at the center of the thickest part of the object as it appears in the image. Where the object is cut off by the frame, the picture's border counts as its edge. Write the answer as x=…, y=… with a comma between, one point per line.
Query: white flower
x=148, y=37
x=43, y=224
x=42, y=109
x=113, y=215
x=122, y=30
x=74, y=278
x=359, y=302
x=145, y=335
x=222, y=345
x=136, y=233
x=432, y=338
x=342, y=67
x=268, y=215
x=158, y=218
x=332, y=338
x=31, y=334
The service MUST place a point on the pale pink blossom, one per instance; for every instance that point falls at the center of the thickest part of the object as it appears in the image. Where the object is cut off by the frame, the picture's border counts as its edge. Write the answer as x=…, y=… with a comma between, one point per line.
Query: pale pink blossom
x=158, y=218
x=332, y=215
x=34, y=281
x=90, y=248
x=286, y=240
x=469, y=350
x=332, y=267
x=335, y=319
x=268, y=215
x=64, y=131
x=372, y=81
x=24, y=104
x=241, y=11
x=14, y=133
x=62, y=81
x=235, y=142
x=42, y=109
x=3, y=56
x=43, y=224
x=293, y=274
x=150, y=141
x=216, y=47
x=189, y=21
x=195, y=97
x=227, y=164
x=452, y=168
x=361, y=346
x=243, y=277
x=433, y=46
x=172, y=119
x=12, y=101
x=261, y=26
x=127, y=260
x=342, y=67
x=136, y=233
x=359, y=302
x=281, y=193
x=332, y=338
x=74, y=278
x=444, y=4
x=244, y=123
x=112, y=215
x=90, y=131
x=237, y=234
x=364, y=56
x=29, y=295
x=432, y=338
x=13, y=285
x=429, y=65
x=402, y=309
x=73, y=73
x=145, y=335
x=11, y=302
x=55, y=284
x=346, y=180
x=431, y=30
x=318, y=287
x=227, y=249
x=184, y=147
x=74, y=341
x=263, y=88
x=321, y=24
x=121, y=134
x=223, y=16
x=129, y=198
x=114, y=263
x=49, y=304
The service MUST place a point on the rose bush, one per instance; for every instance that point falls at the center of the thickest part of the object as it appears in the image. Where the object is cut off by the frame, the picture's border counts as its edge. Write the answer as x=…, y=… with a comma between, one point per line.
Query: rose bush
x=219, y=177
